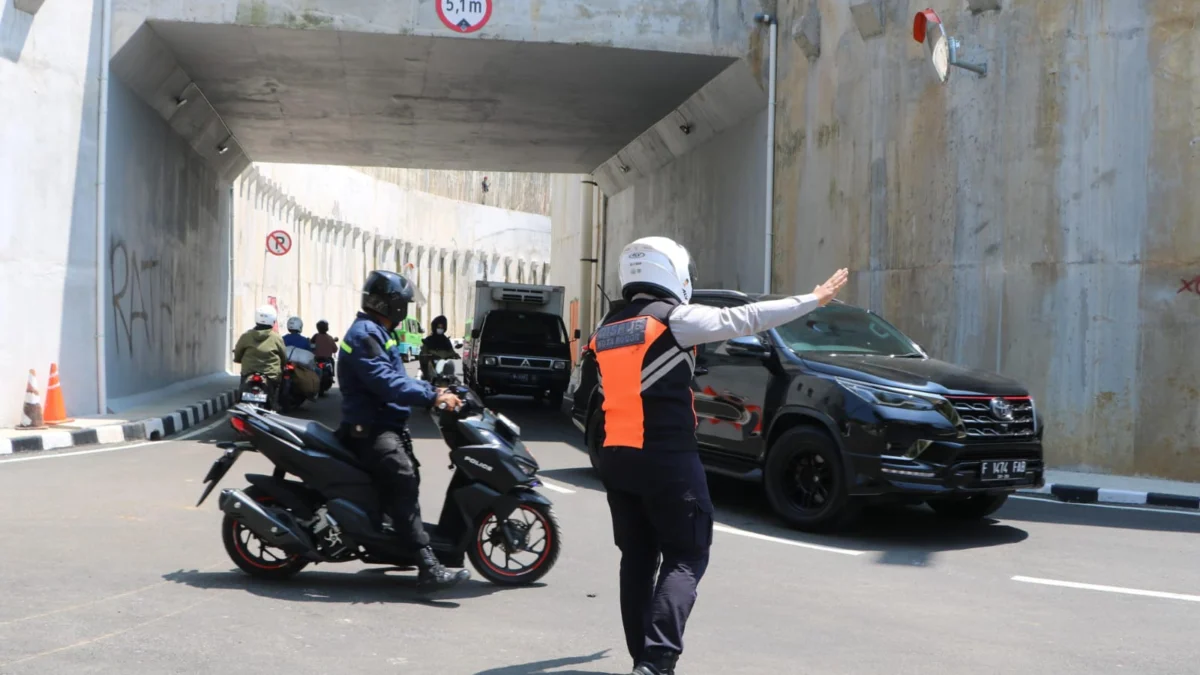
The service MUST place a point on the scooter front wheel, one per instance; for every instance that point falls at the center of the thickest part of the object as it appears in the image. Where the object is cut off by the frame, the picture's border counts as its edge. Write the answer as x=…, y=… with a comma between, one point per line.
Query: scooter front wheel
x=518, y=551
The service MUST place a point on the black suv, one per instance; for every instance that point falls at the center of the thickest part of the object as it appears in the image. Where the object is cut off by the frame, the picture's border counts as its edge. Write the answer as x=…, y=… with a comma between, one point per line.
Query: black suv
x=838, y=409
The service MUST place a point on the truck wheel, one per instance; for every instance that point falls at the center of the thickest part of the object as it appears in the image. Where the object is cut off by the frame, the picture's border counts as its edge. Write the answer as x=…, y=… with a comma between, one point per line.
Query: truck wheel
x=805, y=481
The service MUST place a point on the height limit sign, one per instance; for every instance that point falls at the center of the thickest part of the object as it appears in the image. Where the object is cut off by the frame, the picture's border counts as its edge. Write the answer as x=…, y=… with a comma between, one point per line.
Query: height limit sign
x=464, y=16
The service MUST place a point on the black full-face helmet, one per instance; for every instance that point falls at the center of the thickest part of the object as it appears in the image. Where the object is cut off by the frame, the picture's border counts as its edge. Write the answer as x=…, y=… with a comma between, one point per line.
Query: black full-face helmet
x=388, y=294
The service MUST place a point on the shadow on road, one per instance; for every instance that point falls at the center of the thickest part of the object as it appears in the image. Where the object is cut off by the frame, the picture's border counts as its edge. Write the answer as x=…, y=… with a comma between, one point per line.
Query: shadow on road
x=901, y=536
x=1037, y=510
x=368, y=586
x=546, y=666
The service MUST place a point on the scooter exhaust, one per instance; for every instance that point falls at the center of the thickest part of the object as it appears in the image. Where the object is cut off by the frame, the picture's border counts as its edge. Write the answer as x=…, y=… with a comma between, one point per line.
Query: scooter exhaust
x=275, y=529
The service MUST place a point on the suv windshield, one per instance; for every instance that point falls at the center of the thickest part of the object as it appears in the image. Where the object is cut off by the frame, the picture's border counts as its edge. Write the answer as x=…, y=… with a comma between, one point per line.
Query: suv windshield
x=528, y=327
x=845, y=329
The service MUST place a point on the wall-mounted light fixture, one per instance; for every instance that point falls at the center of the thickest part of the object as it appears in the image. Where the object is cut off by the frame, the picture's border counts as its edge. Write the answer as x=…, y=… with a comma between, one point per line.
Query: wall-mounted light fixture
x=686, y=127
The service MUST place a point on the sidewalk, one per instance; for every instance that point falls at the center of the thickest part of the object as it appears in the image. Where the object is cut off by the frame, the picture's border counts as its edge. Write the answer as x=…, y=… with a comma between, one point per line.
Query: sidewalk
x=1076, y=486
x=149, y=416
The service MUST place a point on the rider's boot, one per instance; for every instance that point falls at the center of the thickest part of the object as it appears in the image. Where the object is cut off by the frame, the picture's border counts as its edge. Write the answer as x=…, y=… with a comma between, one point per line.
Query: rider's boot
x=657, y=662
x=434, y=574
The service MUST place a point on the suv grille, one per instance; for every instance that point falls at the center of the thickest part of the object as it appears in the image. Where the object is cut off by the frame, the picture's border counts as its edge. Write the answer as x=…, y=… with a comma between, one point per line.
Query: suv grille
x=1000, y=417
x=523, y=362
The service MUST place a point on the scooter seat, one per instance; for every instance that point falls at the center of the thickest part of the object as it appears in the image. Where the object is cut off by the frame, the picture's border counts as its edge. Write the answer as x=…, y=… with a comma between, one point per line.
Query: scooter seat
x=317, y=436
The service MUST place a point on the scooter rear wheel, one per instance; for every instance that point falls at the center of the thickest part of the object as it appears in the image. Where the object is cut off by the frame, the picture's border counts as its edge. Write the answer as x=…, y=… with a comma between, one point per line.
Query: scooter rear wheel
x=247, y=551
x=537, y=539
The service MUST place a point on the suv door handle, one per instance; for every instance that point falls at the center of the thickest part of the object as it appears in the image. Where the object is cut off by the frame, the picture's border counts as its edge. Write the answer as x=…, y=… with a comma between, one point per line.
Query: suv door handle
x=700, y=370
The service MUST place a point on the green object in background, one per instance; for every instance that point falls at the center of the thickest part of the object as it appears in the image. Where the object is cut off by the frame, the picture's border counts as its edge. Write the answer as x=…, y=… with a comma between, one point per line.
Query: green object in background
x=408, y=335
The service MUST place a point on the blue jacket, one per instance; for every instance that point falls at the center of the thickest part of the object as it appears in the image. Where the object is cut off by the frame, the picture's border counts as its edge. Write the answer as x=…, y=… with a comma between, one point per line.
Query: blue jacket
x=376, y=391
x=297, y=340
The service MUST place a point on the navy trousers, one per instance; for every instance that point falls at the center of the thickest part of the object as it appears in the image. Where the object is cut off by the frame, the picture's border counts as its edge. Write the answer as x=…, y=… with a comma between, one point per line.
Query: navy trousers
x=663, y=524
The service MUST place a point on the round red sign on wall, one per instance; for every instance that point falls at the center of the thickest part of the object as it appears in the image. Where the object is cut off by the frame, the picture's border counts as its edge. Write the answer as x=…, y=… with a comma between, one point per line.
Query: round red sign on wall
x=464, y=16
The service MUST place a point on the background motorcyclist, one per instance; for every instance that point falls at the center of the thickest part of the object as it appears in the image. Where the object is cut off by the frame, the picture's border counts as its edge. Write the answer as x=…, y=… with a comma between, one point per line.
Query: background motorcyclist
x=324, y=344
x=436, y=345
x=294, y=338
x=324, y=347
x=376, y=400
x=261, y=350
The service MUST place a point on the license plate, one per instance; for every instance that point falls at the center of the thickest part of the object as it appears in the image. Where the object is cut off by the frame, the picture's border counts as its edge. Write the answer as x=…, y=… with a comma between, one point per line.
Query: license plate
x=254, y=398
x=1002, y=469
x=519, y=377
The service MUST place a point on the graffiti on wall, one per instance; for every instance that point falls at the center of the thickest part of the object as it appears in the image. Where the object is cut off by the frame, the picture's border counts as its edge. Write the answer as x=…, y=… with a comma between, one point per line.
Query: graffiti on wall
x=148, y=313
x=1190, y=285
x=143, y=300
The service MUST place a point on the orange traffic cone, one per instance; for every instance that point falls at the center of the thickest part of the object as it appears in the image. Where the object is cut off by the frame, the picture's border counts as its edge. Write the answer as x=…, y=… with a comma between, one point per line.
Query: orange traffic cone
x=56, y=410
x=31, y=414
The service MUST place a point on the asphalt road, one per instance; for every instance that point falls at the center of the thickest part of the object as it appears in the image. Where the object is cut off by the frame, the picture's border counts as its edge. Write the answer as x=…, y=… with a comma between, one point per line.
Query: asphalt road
x=108, y=568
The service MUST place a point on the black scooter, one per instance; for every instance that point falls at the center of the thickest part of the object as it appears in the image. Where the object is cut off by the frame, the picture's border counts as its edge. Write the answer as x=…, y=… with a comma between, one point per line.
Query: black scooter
x=276, y=527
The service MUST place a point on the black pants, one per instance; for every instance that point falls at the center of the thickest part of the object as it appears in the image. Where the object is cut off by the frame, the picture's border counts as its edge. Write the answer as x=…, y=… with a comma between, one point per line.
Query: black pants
x=662, y=522
x=388, y=455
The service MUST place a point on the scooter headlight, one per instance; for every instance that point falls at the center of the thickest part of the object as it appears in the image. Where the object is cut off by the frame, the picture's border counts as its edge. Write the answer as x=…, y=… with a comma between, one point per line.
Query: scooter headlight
x=527, y=467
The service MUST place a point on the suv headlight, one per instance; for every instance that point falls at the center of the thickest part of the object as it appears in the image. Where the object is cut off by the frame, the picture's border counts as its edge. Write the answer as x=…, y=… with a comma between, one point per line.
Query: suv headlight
x=489, y=360
x=906, y=400
x=560, y=365
x=891, y=398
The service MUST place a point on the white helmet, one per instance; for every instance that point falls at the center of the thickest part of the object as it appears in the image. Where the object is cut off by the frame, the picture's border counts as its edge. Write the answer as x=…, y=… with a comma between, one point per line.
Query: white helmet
x=265, y=315
x=295, y=323
x=658, y=266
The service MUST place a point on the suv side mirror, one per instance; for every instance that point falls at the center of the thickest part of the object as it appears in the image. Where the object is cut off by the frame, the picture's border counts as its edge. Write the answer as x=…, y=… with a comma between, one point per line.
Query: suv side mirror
x=578, y=333
x=749, y=345
x=475, y=334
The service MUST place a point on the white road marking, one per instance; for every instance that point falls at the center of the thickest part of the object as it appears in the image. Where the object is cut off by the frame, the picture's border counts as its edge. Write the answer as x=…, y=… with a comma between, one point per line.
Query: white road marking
x=754, y=535
x=1120, y=496
x=197, y=432
x=77, y=453
x=1108, y=589
x=184, y=437
x=556, y=488
x=1147, y=509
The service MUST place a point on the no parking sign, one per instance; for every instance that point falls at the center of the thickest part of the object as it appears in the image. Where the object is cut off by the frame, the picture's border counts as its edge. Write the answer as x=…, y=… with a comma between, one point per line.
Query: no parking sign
x=279, y=242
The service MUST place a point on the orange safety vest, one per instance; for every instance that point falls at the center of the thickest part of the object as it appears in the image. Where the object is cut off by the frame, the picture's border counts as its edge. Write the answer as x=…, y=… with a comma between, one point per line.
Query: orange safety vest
x=646, y=380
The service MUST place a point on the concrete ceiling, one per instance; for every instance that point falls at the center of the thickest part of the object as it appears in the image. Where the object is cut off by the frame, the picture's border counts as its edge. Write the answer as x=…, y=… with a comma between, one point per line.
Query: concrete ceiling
x=330, y=97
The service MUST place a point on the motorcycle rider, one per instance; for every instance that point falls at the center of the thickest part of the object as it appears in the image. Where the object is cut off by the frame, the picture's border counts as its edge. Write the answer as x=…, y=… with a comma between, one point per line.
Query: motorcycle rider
x=657, y=491
x=324, y=347
x=376, y=400
x=294, y=338
x=436, y=346
x=261, y=350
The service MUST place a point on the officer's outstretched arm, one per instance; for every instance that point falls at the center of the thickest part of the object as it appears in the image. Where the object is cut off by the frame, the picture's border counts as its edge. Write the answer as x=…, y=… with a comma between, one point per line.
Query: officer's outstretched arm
x=371, y=363
x=693, y=325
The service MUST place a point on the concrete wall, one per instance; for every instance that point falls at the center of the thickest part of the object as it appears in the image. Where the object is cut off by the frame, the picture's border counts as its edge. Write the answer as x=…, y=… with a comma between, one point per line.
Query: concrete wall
x=345, y=223
x=1041, y=221
x=168, y=253
x=711, y=200
x=48, y=123
x=514, y=191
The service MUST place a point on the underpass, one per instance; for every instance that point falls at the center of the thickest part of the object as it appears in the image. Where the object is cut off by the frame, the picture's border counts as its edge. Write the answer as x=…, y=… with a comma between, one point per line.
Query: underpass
x=118, y=572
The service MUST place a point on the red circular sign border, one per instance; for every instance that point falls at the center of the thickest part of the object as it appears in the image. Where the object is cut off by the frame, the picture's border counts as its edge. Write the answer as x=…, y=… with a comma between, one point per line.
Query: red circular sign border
x=482, y=22
x=271, y=237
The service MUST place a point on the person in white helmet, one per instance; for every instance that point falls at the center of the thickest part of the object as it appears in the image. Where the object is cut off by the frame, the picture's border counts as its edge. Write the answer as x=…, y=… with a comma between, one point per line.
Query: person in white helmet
x=294, y=338
x=261, y=349
x=650, y=466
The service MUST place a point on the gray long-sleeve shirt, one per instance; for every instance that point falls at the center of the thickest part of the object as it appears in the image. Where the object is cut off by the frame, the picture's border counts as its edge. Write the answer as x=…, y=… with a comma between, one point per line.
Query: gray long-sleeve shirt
x=693, y=325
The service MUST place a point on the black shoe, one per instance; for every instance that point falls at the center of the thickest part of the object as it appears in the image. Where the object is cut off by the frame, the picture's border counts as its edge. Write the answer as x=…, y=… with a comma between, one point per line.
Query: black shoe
x=657, y=662
x=434, y=575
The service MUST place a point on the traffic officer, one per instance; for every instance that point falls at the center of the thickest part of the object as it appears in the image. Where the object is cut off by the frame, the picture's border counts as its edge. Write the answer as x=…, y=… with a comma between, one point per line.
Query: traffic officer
x=376, y=400
x=650, y=466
